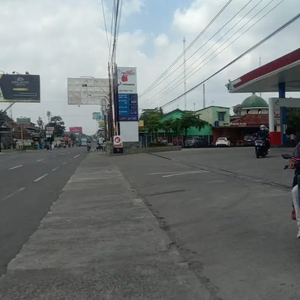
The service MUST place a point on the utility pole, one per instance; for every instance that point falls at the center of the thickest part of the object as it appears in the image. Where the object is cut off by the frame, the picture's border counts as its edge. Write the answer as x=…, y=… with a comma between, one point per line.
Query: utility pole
x=110, y=111
x=184, y=72
x=11, y=129
x=204, y=104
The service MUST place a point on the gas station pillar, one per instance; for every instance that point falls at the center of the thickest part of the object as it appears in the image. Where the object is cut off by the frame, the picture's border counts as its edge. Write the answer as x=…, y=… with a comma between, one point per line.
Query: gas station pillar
x=281, y=89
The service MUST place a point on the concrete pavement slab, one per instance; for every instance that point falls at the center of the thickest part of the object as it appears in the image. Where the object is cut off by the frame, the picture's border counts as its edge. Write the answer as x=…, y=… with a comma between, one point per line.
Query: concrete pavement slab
x=99, y=241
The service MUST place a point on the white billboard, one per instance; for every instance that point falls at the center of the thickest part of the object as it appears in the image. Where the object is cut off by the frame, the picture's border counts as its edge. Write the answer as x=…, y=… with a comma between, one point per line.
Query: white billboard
x=87, y=91
x=127, y=80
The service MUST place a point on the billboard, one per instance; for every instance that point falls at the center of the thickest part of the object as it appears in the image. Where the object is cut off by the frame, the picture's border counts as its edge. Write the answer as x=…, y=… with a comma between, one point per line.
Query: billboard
x=127, y=80
x=128, y=107
x=98, y=116
x=23, y=120
x=87, y=91
x=75, y=129
x=20, y=88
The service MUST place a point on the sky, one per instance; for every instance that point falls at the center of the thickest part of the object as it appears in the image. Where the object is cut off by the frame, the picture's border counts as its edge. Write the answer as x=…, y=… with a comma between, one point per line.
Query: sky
x=60, y=39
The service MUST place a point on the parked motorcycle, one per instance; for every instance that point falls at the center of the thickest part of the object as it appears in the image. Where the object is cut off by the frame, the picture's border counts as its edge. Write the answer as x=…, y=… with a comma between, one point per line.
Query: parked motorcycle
x=261, y=149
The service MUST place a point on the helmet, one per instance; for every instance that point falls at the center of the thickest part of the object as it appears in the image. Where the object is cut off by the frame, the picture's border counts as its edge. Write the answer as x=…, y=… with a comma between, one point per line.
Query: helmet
x=263, y=127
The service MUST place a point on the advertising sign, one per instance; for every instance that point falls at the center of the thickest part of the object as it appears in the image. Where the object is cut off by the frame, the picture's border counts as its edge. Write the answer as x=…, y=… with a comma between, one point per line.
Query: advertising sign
x=127, y=80
x=75, y=129
x=20, y=88
x=97, y=116
x=118, y=142
x=128, y=107
x=87, y=91
x=49, y=128
x=101, y=124
x=23, y=120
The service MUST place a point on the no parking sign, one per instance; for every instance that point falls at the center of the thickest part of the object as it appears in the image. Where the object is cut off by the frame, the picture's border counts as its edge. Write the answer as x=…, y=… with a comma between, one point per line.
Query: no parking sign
x=118, y=141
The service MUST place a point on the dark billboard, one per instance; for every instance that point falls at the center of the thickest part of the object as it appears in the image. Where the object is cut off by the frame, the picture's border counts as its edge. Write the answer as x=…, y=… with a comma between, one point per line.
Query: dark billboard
x=20, y=88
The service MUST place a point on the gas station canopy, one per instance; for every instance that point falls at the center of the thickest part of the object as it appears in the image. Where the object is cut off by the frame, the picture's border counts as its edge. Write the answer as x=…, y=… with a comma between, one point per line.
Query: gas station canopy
x=266, y=78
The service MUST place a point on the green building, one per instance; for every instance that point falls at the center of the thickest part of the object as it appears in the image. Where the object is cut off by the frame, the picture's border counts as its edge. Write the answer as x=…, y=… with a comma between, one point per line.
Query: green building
x=215, y=115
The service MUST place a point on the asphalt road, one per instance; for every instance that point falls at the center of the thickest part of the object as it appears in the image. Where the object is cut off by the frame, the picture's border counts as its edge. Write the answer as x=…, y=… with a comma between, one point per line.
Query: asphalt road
x=228, y=213
x=29, y=183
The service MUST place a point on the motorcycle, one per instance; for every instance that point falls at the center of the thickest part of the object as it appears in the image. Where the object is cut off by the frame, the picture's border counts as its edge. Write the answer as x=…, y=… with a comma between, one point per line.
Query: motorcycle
x=88, y=147
x=261, y=149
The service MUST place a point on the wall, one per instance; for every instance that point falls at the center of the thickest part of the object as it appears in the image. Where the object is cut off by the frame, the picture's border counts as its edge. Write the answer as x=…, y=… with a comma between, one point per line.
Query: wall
x=254, y=111
x=210, y=115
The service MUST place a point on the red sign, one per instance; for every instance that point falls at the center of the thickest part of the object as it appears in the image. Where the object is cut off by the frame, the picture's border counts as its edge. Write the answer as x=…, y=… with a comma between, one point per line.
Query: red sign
x=75, y=129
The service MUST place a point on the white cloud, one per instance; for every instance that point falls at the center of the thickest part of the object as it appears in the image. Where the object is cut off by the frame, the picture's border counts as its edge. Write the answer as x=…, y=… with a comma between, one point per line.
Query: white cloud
x=161, y=41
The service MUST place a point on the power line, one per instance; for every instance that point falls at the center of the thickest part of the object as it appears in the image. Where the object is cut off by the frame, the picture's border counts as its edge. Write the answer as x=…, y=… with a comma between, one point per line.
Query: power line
x=180, y=56
x=151, y=99
x=196, y=69
x=291, y=21
x=105, y=26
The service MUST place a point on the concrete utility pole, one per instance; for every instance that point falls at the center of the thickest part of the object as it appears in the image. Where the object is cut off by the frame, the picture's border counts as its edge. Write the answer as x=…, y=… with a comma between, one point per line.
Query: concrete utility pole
x=184, y=72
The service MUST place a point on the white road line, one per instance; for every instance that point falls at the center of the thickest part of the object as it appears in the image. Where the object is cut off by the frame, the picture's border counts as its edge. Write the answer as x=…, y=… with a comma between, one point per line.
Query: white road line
x=40, y=178
x=39, y=160
x=76, y=155
x=65, y=163
x=55, y=168
x=16, y=167
x=186, y=173
x=14, y=193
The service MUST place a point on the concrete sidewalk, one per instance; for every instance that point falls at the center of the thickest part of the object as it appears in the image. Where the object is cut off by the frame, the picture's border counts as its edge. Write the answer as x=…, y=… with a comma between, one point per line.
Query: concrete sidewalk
x=99, y=241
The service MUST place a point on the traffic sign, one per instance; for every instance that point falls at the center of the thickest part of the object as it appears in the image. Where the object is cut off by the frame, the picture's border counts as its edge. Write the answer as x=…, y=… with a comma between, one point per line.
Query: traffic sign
x=118, y=141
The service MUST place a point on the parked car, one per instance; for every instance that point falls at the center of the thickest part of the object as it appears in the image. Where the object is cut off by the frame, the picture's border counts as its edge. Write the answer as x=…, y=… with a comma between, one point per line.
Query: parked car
x=249, y=140
x=193, y=142
x=223, y=142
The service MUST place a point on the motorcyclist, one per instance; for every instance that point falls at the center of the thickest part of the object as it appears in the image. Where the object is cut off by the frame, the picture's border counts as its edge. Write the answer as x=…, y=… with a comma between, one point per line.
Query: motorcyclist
x=263, y=134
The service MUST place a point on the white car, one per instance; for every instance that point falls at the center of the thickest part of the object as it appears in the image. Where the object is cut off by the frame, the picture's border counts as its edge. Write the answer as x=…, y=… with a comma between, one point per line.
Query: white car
x=223, y=142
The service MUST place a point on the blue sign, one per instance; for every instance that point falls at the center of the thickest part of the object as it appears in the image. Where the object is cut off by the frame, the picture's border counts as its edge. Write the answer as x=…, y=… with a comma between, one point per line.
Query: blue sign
x=128, y=107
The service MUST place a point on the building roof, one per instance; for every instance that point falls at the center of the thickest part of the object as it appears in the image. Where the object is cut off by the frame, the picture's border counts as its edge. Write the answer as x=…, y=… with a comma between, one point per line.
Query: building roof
x=254, y=101
x=251, y=120
x=266, y=78
x=215, y=106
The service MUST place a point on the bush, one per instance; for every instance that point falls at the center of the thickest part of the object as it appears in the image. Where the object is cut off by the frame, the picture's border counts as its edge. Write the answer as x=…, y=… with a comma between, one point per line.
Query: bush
x=157, y=144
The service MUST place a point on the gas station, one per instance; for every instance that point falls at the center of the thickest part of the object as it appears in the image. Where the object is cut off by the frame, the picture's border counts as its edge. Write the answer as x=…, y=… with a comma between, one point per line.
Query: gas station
x=280, y=76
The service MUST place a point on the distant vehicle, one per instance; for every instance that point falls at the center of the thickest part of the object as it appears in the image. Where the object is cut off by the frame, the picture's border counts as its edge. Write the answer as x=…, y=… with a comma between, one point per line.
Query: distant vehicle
x=249, y=140
x=193, y=142
x=223, y=142
x=83, y=142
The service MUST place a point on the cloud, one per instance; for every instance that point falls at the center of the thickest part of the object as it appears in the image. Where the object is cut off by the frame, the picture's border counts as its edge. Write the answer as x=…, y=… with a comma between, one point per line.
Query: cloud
x=161, y=41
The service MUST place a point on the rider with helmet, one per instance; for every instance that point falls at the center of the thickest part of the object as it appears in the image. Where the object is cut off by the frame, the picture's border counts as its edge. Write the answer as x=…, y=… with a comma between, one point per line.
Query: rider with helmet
x=263, y=134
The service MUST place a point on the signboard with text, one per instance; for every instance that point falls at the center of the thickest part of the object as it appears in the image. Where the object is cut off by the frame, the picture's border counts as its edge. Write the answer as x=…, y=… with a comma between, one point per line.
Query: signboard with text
x=128, y=107
x=75, y=129
x=127, y=80
x=20, y=88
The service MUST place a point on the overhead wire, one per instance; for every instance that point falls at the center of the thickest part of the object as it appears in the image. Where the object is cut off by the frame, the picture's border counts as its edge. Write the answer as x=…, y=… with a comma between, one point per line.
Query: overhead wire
x=198, y=67
x=204, y=44
x=285, y=25
x=105, y=26
x=193, y=42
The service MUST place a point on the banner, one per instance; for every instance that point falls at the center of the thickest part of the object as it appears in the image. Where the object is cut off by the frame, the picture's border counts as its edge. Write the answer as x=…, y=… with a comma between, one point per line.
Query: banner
x=75, y=129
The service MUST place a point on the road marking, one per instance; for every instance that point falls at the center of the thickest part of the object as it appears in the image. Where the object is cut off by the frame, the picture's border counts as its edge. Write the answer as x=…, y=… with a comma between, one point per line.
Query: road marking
x=53, y=156
x=65, y=163
x=216, y=181
x=40, y=178
x=14, y=193
x=39, y=160
x=186, y=173
x=16, y=167
x=55, y=168
x=162, y=173
x=76, y=155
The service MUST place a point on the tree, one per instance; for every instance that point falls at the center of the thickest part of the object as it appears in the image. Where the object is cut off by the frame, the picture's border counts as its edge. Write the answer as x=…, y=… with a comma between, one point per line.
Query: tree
x=176, y=127
x=58, y=124
x=153, y=125
x=73, y=137
x=4, y=117
x=293, y=120
x=40, y=123
x=166, y=125
x=189, y=120
x=148, y=113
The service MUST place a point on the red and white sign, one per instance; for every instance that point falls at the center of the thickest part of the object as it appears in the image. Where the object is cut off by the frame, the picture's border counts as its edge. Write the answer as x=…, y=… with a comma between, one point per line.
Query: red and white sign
x=118, y=142
x=127, y=80
x=75, y=129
